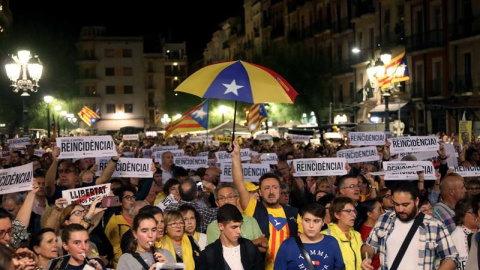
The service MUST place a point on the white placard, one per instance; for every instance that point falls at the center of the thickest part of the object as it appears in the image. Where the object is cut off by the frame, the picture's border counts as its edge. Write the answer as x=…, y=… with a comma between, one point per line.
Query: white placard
x=265, y=137
x=468, y=171
x=366, y=138
x=203, y=154
x=425, y=156
x=299, y=138
x=332, y=135
x=224, y=157
x=175, y=153
x=251, y=172
x=85, y=147
x=362, y=154
x=451, y=154
x=38, y=152
x=392, y=167
x=130, y=137
x=315, y=141
x=269, y=158
x=164, y=148
x=319, y=166
x=86, y=195
x=191, y=162
x=15, y=143
x=216, y=143
x=166, y=202
x=129, y=154
x=147, y=153
x=197, y=139
x=413, y=144
x=16, y=179
x=127, y=167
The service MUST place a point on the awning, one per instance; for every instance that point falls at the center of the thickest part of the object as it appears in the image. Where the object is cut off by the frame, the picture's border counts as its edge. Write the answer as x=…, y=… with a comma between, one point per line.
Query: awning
x=391, y=107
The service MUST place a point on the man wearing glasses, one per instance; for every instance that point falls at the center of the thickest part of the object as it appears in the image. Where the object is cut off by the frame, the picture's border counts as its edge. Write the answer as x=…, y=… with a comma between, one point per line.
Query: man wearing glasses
x=349, y=187
x=431, y=240
x=6, y=227
x=226, y=193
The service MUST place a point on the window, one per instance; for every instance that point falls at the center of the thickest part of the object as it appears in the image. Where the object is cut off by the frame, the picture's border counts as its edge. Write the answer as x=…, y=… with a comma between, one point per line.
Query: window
x=340, y=93
x=110, y=108
x=110, y=90
x=151, y=116
x=127, y=53
x=150, y=100
x=128, y=108
x=127, y=71
x=128, y=89
x=109, y=72
x=109, y=53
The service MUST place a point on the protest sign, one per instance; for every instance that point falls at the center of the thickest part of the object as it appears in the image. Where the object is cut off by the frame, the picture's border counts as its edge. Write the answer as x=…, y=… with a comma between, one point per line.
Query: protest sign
x=413, y=144
x=202, y=154
x=16, y=143
x=451, y=154
x=191, y=162
x=147, y=153
x=262, y=137
x=86, y=195
x=164, y=148
x=216, y=143
x=465, y=132
x=128, y=154
x=127, y=167
x=332, y=135
x=366, y=138
x=5, y=154
x=362, y=154
x=175, y=153
x=85, y=147
x=269, y=158
x=468, y=171
x=130, y=137
x=299, y=138
x=319, y=166
x=251, y=172
x=425, y=156
x=407, y=170
x=38, y=152
x=197, y=139
x=166, y=202
x=224, y=157
x=315, y=141
x=16, y=179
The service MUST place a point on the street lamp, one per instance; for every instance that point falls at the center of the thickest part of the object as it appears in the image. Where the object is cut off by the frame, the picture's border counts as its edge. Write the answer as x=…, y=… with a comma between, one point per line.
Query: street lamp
x=222, y=109
x=22, y=80
x=376, y=72
x=165, y=119
x=48, y=100
x=57, y=109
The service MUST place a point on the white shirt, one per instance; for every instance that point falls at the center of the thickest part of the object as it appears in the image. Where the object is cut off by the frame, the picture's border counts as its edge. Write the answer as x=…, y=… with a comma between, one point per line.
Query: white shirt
x=460, y=238
x=232, y=257
x=395, y=241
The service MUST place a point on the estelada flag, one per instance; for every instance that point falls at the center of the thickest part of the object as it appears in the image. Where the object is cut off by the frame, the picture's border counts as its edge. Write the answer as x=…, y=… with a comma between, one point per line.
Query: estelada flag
x=256, y=114
x=395, y=71
x=193, y=120
x=88, y=116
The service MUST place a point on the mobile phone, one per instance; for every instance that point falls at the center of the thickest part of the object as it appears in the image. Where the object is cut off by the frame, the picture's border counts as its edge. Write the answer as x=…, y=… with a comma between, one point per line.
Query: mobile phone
x=199, y=185
x=111, y=201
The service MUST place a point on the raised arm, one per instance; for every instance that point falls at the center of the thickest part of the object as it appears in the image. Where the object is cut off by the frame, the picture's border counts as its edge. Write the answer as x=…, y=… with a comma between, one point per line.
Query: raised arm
x=238, y=176
x=25, y=212
x=107, y=173
x=52, y=174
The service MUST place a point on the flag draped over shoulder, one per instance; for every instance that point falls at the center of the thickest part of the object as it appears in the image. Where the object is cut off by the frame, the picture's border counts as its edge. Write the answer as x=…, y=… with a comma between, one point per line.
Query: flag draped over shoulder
x=256, y=114
x=193, y=120
x=395, y=71
x=88, y=116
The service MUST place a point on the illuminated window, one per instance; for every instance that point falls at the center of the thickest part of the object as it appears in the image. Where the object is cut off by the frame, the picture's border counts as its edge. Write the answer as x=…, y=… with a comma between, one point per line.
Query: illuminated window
x=111, y=108
x=128, y=108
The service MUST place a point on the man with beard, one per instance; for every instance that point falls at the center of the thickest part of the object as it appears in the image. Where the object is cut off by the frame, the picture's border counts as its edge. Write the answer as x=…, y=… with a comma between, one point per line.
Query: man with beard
x=277, y=222
x=431, y=240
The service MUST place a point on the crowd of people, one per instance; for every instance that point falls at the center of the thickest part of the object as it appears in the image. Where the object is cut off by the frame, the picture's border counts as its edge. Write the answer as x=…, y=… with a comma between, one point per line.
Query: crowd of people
x=192, y=219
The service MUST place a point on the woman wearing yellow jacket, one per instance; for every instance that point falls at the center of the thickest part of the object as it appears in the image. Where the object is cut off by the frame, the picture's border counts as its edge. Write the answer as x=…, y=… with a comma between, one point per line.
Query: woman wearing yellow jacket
x=343, y=213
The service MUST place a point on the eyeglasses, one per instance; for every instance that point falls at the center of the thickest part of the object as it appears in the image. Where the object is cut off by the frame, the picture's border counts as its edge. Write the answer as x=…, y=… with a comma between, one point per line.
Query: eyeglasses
x=65, y=171
x=130, y=198
x=176, y=224
x=387, y=196
x=353, y=186
x=79, y=213
x=349, y=211
x=9, y=231
x=474, y=188
x=229, y=198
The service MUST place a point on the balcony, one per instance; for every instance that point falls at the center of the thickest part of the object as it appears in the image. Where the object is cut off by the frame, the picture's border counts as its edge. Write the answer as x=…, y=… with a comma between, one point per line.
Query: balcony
x=425, y=40
x=417, y=89
x=391, y=39
x=464, y=84
x=435, y=88
x=320, y=27
x=464, y=27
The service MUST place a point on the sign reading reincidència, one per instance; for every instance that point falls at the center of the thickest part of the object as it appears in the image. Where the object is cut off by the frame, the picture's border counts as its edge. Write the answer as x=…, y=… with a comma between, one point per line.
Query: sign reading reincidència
x=319, y=166
x=127, y=167
x=16, y=179
x=413, y=144
x=251, y=172
x=85, y=147
x=362, y=154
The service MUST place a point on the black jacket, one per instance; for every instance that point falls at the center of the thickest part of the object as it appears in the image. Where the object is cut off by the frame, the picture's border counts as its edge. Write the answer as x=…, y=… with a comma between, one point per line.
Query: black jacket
x=210, y=257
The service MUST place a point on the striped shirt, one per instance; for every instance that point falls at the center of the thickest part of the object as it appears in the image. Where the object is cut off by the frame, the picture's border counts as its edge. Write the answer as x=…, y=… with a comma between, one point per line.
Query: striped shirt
x=435, y=241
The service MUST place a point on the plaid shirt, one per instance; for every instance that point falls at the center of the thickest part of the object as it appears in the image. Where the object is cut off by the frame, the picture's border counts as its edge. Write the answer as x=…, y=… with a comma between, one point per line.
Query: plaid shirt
x=208, y=214
x=435, y=241
x=445, y=213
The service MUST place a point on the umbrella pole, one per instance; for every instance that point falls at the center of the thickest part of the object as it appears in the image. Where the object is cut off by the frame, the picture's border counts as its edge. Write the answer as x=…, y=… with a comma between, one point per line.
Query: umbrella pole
x=229, y=150
x=207, y=145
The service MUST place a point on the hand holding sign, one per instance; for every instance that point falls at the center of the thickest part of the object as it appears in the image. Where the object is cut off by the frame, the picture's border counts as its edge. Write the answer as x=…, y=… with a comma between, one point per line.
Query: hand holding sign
x=55, y=153
x=93, y=210
x=60, y=203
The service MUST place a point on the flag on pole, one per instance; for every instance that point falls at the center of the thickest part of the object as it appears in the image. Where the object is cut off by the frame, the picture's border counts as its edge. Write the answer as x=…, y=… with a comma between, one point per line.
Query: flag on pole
x=157, y=116
x=54, y=129
x=193, y=120
x=88, y=116
x=256, y=114
x=395, y=71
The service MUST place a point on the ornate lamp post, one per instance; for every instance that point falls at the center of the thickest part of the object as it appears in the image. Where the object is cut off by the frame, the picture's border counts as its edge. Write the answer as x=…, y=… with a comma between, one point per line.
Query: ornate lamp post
x=24, y=71
x=376, y=72
x=48, y=100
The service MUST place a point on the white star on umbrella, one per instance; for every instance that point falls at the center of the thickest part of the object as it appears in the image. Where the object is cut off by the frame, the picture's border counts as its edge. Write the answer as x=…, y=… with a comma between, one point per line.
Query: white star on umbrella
x=232, y=88
x=200, y=113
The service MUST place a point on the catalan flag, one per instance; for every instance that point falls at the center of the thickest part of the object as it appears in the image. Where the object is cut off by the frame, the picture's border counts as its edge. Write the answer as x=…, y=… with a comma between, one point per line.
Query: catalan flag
x=88, y=116
x=256, y=114
x=395, y=71
x=193, y=120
